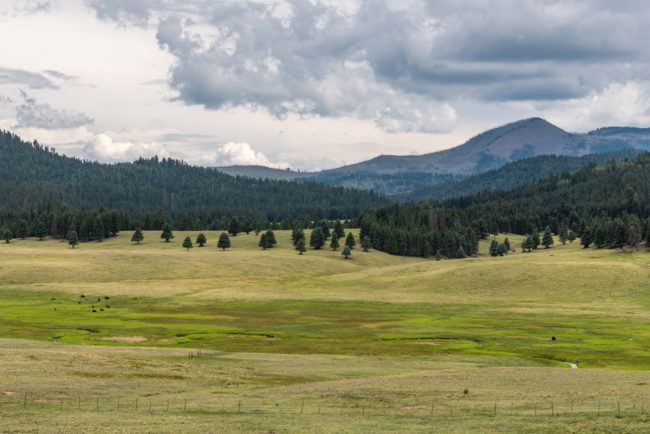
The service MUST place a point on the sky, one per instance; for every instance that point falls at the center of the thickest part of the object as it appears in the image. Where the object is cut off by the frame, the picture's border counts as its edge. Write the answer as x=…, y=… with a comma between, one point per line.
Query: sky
x=312, y=84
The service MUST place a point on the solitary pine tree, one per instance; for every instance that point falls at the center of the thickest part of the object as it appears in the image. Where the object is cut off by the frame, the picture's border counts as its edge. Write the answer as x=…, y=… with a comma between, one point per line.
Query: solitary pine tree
x=264, y=244
x=366, y=243
x=300, y=246
x=39, y=231
x=317, y=238
x=7, y=236
x=201, y=240
x=73, y=238
x=187, y=243
x=270, y=238
x=438, y=255
x=460, y=253
x=501, y=249
x=334, y=243
x=547, y=239
x=349, y=241
x=137, y=236
x=346, y=252
x=506, y=243
x=296, y=235
x=167, y=233
x=224, y=241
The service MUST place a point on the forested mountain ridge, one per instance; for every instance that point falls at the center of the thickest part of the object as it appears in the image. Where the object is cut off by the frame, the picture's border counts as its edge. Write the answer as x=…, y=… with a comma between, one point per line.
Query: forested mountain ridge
x=32, y=175
x=514, y=174
x=607, y=205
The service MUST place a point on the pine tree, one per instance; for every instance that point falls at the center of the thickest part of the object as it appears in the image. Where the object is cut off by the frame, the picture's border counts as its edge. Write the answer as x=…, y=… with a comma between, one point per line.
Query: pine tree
x=73, y=238
x=317, y=239
x=529, y=243
x=7, y=236
x=633, y=236
x=264, y=244
x=300, y=246
x=234, y=226
x=270, y=238
x=296, y=235
x=201, y=240
x=460, y=253
x=22, y=229
x=366, y=243
x=334, y=243
x=346, y=252
x=187, y=243
x=547, y=239
x=572, y=236
x=493, y=247
x=167, y=233
x=438, y=255
x=338, y=229
x=587, y=237
x=325, y=227
x=39, y=230
x=349, y=241
x=224, y=241
x=506, y=243
x=501, y=249
x=563, y=234
x=137, y=236
x=536, y=241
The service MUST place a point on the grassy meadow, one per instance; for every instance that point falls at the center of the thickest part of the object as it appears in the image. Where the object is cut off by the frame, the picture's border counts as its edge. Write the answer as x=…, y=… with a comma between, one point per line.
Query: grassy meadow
x=320, y=343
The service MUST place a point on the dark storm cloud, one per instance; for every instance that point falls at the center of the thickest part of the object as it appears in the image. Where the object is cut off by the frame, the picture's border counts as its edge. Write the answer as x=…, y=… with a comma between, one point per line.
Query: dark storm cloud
x=32, y=114
x=400, y=64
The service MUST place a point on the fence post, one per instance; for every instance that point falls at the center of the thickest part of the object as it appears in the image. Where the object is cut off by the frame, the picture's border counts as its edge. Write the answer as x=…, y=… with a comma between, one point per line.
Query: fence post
x=495, y=408
x=25, y=401
x=239, y=407
x=552, y=410
x=136, y=404
x=96, y=403
x=185, y=404
x=302, y=407
x=619, y=408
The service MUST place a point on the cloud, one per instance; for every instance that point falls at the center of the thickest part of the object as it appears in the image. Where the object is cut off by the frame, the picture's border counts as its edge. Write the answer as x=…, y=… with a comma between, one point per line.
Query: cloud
x=619, y=104
x=136, y=12
x=239, y=154
x=25, y=7
x=32, y=80
x=32, y=114
x=104, y=147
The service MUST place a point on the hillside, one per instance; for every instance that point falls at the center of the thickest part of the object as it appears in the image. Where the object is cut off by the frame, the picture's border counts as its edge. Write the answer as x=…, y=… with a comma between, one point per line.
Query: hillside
x=514, y=174
x=31, y=176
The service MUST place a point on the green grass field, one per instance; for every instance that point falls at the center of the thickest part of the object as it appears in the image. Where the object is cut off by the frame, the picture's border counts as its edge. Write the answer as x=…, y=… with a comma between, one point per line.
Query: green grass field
x=319, y=343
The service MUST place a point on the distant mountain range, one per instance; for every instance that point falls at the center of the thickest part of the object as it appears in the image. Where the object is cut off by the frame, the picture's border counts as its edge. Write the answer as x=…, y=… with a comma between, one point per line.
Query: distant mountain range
x=401, y=175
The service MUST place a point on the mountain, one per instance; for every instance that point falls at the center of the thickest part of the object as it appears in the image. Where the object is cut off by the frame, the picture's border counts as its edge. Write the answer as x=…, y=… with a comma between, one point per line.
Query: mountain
x=393, y=174
x=514, y=173
x=33, y=176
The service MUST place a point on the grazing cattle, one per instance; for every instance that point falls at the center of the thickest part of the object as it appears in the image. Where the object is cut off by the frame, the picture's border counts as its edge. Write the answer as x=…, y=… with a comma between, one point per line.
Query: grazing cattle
x=55, y=308
x=94, y=310
x=93, y=306
x=78, y=302
x=101, y=310
x=99, y=299
x=106, y=298
x=52, y=299
x=82, y=296
x=108, y=307
x=553, y=338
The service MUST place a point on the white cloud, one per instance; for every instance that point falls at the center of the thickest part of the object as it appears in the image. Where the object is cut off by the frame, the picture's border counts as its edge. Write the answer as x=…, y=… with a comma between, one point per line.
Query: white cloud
x=239, y=154
x=104, y=147
x=618, y=104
